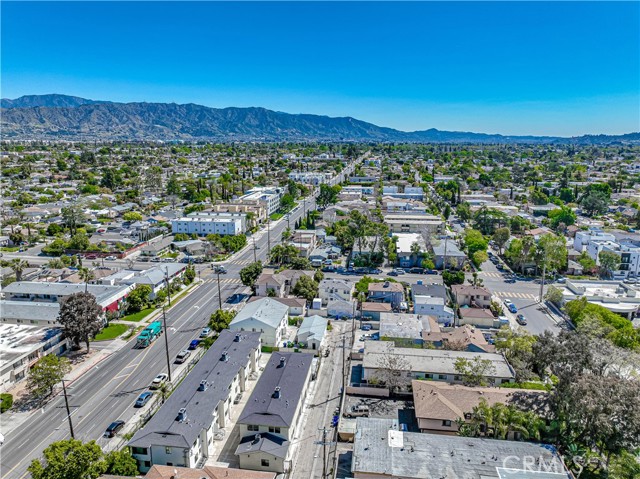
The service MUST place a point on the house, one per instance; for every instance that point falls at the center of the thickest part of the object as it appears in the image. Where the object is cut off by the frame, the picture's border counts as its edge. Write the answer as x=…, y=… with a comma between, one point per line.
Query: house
x=464, y=338
x=480, y=317
x=207, y=472
x=372, y=311
x=472, y=296
x=158, y=277
x=439, y=406
x=181, y=433
x=156, y=247
x=405, y=246
x=266, y=316
x=335, y=289
x=312, y=331
x=270, y=420
x=386, y=292
x=383, y=450
x=270, y=284
x=434, y=364
x=24, y=312
x=403, y=329
x=446, y=252
x=305, y=241
x=410, y=222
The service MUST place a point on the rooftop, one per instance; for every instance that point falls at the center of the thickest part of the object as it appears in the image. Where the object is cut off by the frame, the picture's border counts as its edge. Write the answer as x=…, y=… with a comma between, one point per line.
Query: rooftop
x=381, y=449
x=265, y=310
x=163, y=429
x=289, y=372
x=101, y=292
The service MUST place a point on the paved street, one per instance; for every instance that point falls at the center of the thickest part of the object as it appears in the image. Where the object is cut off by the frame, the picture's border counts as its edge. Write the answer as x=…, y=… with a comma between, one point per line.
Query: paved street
x=107, y=393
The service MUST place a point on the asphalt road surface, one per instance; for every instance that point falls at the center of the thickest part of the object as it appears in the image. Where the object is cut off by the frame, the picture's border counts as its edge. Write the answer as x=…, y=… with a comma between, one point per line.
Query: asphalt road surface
x=108, y=391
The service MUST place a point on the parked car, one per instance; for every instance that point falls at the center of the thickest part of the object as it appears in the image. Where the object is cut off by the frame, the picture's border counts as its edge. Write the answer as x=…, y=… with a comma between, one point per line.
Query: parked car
x=522, y=321
x=110, y=258
x=366, y=327
x=194, y=344
x=143, y=399
x=510, y=280
x=561, y=280
x=158, y=381
x=510, y=306
x=399, y=270
x=392, y=273
x=205, y=332
x=431, y=271
x=182, y=356
x=328, y=269
x=416, y=270
x=113, y=428
x=358, y=410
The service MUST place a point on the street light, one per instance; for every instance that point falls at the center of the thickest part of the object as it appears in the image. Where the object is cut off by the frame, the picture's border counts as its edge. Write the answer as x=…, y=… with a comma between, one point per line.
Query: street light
x=166, y=278
x=255, y=259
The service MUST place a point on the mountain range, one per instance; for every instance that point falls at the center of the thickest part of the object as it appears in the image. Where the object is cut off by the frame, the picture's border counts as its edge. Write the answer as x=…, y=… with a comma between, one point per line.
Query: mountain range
x=63, y=117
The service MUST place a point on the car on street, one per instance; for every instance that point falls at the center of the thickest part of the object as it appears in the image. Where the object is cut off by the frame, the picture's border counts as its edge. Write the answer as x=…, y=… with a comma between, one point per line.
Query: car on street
x=366, y=327
x=205, y=332
x=561, y=280
x=219, y=269
x=114, y=428
x=375, y=271
x=182, y=356
x=522, y=321
x=143, y=399
x=155, y=260
x=431, y=271
x=399, y=270
x=91, y=256
x=158, y=381
x=510, y=280
x=194, y=344
x=416, y=270
x=510, y=306
x=110, y=258
x=392, y=273
x=328, y=269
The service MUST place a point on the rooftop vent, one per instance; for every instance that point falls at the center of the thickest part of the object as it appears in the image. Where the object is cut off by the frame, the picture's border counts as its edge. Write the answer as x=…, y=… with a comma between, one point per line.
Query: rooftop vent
x=204, y=385
x=182, y=414
x=238, y=338
x=256, y=438
x=283, y=361
x=276, y=393
x=386, y=284
x=224, y=357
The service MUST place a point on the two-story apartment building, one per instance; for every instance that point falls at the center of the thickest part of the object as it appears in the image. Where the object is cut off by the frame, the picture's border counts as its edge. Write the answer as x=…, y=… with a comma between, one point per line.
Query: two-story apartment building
x=202, y=226
x=266, y=316
x=269, y=422
x=182, y=432
x=386, y=292
x=472, y=296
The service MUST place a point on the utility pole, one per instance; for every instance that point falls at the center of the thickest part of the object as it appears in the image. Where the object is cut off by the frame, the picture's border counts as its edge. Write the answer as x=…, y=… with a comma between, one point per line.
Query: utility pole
x=255, y=259
x=166, y=341
x=544, y=271
x=66, y=403
x=219, y=293
x=268, y=238
x=166, y=278
x=344, y=375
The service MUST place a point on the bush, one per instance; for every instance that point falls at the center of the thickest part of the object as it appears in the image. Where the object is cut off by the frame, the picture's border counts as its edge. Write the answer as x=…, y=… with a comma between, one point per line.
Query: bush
x=6, y=401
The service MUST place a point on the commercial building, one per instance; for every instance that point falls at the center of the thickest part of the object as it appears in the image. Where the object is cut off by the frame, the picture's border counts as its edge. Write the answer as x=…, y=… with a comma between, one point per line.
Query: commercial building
x=269, y=197
x=202, y=226
x=182, y=432
x=382, y=450
x=269, y=422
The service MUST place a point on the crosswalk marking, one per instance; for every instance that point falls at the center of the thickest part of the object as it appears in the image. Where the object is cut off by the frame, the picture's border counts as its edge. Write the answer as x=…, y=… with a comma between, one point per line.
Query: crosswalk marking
x=225, y=281
x=490, y=274
x=511, y=294
x=242, y=261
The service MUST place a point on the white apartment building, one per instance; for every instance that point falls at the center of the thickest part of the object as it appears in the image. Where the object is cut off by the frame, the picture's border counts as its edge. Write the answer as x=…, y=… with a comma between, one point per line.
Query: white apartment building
x=223, y=215
x=268, y=196
x=583, y=238
x=628, y=250
x=357, y=190
x=205, y=226
x=309, y=178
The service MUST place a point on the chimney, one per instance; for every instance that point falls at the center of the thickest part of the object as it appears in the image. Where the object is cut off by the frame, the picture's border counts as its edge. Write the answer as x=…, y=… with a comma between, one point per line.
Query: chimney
x=256, y=438
x=276, y=393
x=182, y=414
x=283, y=362
x=225, y=356
x=237, y=339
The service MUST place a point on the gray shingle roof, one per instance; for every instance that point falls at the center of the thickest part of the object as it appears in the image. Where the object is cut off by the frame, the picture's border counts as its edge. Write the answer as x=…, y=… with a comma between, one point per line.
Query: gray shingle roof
x=265, y=410
x=263, y=442
x=266, y=311
x=163, y=429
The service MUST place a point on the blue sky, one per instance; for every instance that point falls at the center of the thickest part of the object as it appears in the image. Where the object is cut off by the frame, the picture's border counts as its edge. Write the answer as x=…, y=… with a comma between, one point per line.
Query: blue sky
x=504, y=67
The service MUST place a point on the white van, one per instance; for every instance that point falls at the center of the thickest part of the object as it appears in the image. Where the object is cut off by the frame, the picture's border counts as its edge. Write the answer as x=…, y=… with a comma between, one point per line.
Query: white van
x=359, y=410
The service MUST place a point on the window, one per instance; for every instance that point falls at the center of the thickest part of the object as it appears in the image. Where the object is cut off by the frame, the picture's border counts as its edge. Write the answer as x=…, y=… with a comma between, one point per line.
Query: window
x=442, y=376
x=252, y=427
x=456, y=378
x=274, y=429
x=167, y=450
x=139, y=450
x=147, y=463
x=446, y=423
x=265, y=463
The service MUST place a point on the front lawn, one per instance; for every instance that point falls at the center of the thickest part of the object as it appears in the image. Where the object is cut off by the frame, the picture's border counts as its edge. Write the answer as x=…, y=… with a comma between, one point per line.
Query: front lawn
x=110, y=332
x=276, y=216
x=139, y=315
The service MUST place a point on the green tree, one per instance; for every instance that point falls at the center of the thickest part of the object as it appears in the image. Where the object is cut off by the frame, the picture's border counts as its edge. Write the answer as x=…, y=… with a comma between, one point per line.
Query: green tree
x=609, y=262
x=305, y=288
x=564, y=214
x=79, y=242
x=474, y=241
x=517, y=347
x=132, y=216
x=46, y=373
x=287, y=201
x=328, y=195
x=588, y=264
x=121, y=463
x=173, y=186
x=250, y=273
x=80, y=316
x=551, y=252
x=18, y=266
x=138, y=298
x=463, y=211
x=594, y=203
x=554, y=295
x=69, y=459
x=538, y=197
x=73, y=217
x=221, y=319
x=452, y=277
x=6, y=401
x=479, y=257
x=500, y=237
x=474, y=371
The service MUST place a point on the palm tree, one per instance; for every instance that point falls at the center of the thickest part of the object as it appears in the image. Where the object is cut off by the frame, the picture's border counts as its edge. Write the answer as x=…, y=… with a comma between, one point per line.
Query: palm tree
x=86, y=275
x=55, y=263
x=18, y=266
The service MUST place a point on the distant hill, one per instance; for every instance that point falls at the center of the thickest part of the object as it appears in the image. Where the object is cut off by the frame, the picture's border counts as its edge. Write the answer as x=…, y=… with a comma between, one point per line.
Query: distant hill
x=65, y=117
